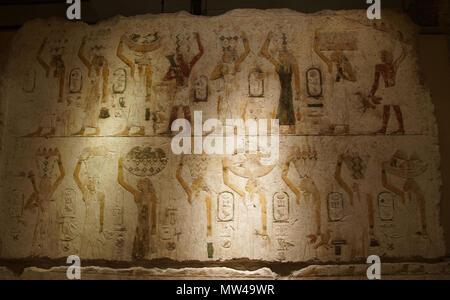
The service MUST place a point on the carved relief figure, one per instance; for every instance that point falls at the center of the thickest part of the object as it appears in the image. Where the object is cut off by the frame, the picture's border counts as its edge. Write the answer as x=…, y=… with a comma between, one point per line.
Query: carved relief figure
x=93, y=239
x=44, y=239
x=97, y=95
x=48, y=119
x=197, y=169
x=180, y=71
x=288, y=71
x=304, y=161
x=344, y=74
x=141, y=47
x=362, y=211
x=227, y=69
x=248, y=167
x=407, y=169
x=387, y=71
x=144, y=163
x=56, y=63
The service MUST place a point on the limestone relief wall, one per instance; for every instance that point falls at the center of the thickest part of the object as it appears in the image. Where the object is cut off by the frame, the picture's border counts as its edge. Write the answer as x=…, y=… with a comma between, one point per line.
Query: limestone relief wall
x=88, y=168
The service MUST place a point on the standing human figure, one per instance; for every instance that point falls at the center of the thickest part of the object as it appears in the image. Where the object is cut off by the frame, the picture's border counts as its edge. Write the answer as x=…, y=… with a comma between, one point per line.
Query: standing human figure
x=98, y=90
x=44, y=240
x=180, y=70
x=93, y=240
x=145, y=199
x=288, y=71
x=388, y=71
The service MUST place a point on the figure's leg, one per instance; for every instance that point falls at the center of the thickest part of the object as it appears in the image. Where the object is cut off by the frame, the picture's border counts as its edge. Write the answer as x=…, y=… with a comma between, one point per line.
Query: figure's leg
x=148, y=83
x=423, y=218
x=208, y=215
x=62, y=77
x=173, y=117
x=386, y=116
x=262, y=199
x=399, y=114
x=187, y=113
x=36, y=133
x=373, y=240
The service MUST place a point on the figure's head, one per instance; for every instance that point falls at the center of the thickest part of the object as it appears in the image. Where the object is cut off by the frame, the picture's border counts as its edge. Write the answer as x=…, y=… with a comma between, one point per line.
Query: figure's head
x=98, y=50
x=386, y=57
x=145, y=186
x=92, y=184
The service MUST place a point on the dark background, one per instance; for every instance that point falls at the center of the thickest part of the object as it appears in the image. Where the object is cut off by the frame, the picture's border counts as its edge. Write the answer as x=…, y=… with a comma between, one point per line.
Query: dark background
x=14, y=13
x=433, y=17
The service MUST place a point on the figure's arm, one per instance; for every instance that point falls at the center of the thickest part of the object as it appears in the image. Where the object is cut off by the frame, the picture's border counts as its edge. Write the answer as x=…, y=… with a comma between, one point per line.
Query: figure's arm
x=154, y=203
x=62, y=82
x=296, y=71
x=76, y=176
x=32, y=199
x=82, y=56
x=289, y=183
x=241, y=59
x=105, y=74
x=401, y=58
x=148, y=83
x=349, y=73
x=376, y=82
x=317, y=210
x=183, y=183
x=265, y=52
x=320, y=54
x=41, y=61
x=101, y=199
x=388, y=186
x=226, y=180
x=62, y=174
x=123, y=58
x=122, y=181
x=200, y=51
x=340, y=181
x=217, y=73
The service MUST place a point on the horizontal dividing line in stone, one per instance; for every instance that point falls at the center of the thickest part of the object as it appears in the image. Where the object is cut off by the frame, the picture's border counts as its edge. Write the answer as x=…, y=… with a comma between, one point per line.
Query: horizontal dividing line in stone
x=172, y=136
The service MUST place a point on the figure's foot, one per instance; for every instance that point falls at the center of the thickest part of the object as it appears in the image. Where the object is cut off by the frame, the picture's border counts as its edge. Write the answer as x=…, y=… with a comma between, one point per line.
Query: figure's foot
x=141, y=132
x=382, y=131
x=126, y=132
x=401, y=131
x=36, y=133
x=80, y=133
x=51, y=133
x=96, y=133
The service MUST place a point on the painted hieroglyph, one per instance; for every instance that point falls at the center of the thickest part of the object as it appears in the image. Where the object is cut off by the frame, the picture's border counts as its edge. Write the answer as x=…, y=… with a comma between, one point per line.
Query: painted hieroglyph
x=87, y=167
